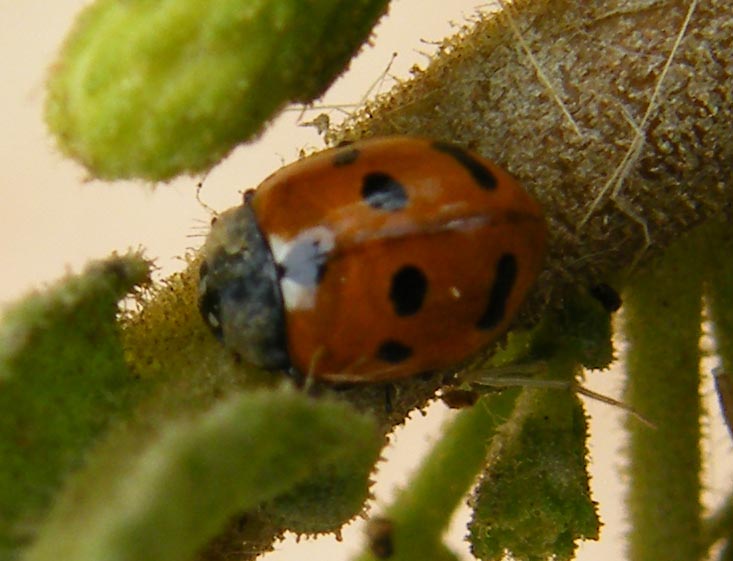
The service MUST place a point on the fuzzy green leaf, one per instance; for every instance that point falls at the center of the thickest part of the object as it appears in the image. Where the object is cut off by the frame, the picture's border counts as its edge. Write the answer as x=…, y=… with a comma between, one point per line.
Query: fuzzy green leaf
x=200, y=472
x=62, y=379
x=662, y=322
x=579, y=332
x=534, y=500
x=422, y=510
x=152, y=89
x=327, y=499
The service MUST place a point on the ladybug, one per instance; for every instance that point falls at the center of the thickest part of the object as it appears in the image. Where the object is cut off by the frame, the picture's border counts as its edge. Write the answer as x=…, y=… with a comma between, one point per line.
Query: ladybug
x=373, y=261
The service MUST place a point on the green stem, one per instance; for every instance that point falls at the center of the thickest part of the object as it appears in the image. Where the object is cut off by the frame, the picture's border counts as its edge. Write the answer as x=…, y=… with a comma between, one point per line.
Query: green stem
x=662, y=326
x=422, y=511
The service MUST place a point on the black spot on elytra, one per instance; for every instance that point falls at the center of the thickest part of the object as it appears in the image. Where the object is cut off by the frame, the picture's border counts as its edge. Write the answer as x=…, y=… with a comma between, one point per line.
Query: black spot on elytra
x=408, y=289
x=393, y=351
x=345, y=157
x=481, y=174
x=506, y=276
x=382, y=192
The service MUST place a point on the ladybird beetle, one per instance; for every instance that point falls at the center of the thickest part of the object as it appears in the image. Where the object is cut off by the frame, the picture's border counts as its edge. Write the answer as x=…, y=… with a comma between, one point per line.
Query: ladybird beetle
x=372, y=261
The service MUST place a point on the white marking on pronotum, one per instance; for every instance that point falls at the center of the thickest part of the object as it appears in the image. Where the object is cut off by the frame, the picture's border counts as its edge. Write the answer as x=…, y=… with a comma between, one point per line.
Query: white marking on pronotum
x=296, y=296
x=301, y=261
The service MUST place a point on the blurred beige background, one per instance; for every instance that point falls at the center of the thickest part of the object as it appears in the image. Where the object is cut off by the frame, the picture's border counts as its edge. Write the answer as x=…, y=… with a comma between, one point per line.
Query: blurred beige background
x=52, y=220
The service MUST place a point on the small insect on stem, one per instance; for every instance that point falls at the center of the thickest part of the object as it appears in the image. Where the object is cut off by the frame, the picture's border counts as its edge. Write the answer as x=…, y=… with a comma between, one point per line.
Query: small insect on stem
x=379, y=532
